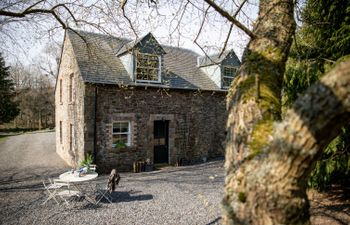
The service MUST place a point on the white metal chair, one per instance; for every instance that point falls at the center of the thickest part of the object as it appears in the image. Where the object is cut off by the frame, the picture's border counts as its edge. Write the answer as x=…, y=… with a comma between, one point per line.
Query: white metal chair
x=105, y=191
x=92, y=167
x=52, y=189
x=66, y=194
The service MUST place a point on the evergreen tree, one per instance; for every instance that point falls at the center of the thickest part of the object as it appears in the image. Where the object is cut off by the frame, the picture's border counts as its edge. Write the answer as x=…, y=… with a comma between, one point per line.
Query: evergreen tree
x=322, y=41
x=8, y=107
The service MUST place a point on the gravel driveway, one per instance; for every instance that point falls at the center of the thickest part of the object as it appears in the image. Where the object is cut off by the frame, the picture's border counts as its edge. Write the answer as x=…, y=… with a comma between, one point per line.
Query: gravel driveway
x=30, y=150
x=173, y=195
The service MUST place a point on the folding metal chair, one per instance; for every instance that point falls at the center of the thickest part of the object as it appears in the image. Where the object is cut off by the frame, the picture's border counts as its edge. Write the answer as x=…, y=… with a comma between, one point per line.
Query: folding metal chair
x=67, y=194
x=52, y=189
x=105, y=191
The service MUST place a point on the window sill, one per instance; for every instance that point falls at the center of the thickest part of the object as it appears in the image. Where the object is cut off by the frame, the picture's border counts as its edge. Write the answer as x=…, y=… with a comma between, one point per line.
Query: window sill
x=71, y=103
x=126, y=146
x=60, y=103
x=121, y=150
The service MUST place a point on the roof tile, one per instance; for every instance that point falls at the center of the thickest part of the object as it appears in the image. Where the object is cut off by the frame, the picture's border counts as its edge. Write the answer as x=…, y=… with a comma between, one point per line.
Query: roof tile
x=98, y=63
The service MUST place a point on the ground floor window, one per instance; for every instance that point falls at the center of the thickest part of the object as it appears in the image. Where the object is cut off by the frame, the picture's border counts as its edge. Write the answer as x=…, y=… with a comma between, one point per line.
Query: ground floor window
x=121, y=134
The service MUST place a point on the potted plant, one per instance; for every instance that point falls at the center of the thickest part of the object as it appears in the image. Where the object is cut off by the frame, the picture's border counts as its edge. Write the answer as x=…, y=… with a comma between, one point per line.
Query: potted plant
x=119, y=144
x=86, y=162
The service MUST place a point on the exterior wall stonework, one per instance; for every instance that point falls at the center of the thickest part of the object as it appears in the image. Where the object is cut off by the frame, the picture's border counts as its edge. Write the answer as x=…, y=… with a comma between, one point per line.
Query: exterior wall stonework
x=69, y=112
x=196, y=123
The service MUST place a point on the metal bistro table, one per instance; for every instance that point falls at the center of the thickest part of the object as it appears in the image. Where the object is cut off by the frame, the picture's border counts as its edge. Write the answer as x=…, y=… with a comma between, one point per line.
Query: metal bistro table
x=75, y=179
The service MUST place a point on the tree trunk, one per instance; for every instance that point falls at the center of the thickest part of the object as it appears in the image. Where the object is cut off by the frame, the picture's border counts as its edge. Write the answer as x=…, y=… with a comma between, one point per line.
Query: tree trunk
x=267, y=162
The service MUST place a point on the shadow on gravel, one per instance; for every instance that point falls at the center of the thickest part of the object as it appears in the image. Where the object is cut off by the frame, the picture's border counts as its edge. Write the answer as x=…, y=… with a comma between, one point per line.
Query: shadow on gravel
x=23, y=188
x=20, y=179
x=125, y=196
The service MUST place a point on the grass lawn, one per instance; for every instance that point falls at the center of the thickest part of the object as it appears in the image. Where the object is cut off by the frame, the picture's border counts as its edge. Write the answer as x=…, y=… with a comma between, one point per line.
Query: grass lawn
x=2, y=138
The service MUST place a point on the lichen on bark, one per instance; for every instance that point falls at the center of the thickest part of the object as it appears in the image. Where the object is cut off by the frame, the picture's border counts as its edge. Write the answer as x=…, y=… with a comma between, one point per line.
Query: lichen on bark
x=254, y=103
x=261, y=137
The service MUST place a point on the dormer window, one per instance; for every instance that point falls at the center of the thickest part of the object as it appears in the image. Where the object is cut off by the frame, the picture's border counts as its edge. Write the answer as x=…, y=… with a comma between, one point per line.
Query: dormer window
x=228, y=75
x=148, y=68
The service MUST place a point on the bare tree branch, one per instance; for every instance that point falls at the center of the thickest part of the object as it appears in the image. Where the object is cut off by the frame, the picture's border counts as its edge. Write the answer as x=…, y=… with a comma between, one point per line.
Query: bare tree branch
x=30, y=10
x=182, y=14
x=199, y=32
x=230, y=18
x=127, y=18
x=35, y=4
x=230, y=30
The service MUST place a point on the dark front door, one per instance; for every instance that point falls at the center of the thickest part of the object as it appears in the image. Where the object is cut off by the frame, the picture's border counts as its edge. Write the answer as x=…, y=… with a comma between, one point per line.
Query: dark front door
x=161, y=132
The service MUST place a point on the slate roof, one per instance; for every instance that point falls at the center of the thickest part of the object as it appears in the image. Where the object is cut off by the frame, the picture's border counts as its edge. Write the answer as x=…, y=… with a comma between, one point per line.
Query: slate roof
x=216, y=58
x=132, y=44
x=98, y=63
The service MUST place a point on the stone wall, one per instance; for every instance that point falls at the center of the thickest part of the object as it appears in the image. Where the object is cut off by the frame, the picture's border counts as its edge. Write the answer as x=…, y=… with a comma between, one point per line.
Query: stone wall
x=196, y=120
x=196, y=123
x=69, y=112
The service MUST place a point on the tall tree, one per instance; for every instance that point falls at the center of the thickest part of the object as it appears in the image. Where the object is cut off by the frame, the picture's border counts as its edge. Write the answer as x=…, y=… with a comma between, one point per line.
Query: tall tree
x=8, y=107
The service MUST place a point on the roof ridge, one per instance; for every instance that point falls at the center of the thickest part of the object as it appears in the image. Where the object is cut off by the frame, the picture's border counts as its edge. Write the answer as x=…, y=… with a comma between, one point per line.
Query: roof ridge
x=128, y=40
x=98, y=34
x=180, y=48
x=131, y=40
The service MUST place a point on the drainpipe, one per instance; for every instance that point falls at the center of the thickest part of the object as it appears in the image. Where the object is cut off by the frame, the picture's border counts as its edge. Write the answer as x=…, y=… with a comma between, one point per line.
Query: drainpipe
x=95, y=127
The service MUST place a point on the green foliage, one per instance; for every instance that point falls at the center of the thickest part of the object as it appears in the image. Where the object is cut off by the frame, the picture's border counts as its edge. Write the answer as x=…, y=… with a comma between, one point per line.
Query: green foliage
x=8, y=107
x=2, y=138
x=334, y=165
x=17, y=130
x=322, y=41
x=87, y=161
x=326, y=26
x=119, y=144
x=299, y=75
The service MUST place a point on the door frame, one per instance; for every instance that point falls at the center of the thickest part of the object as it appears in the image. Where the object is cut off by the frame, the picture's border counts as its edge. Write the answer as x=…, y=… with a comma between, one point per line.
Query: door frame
x=166, y=144
x=171, y=136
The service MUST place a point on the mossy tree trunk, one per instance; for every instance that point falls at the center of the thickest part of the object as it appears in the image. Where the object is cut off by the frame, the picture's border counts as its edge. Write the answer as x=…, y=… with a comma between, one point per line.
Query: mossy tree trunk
x=268, y=160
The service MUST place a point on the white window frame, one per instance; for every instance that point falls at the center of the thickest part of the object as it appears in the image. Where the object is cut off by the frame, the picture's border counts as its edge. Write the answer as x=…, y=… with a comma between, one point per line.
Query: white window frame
x=128, y=144
x=223, y=75
x=159, y=69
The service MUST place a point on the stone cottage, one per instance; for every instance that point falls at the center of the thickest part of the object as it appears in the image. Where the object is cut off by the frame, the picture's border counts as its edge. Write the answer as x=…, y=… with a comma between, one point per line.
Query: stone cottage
x=123, y=101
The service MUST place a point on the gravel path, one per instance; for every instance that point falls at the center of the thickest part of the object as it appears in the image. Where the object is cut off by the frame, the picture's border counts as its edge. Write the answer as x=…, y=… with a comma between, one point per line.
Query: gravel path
x=188, y=195
x=173, y=195
x=30, y=150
